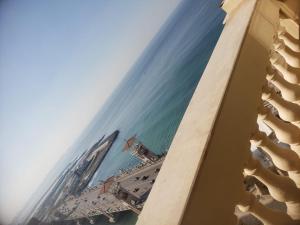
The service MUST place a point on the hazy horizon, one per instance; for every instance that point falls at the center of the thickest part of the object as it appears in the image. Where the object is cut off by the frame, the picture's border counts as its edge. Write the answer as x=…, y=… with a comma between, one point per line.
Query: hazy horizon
x=53, y=72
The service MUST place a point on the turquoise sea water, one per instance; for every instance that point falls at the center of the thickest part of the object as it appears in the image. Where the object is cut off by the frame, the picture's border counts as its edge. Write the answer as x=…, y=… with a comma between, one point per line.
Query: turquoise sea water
x=153, y=96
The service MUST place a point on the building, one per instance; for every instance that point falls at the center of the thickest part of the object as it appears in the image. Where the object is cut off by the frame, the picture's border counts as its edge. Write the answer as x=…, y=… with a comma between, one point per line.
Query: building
x=116, y=194
x=139, y=150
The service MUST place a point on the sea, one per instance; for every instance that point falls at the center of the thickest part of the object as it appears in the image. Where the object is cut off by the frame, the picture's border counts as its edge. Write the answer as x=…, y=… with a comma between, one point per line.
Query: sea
x=152, y=98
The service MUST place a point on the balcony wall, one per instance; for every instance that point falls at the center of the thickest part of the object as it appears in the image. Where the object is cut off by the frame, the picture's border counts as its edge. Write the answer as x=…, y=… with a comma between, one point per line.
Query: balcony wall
x=202, y=178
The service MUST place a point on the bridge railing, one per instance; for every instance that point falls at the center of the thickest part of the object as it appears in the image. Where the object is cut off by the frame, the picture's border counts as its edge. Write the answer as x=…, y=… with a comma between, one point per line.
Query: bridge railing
x=252, y=78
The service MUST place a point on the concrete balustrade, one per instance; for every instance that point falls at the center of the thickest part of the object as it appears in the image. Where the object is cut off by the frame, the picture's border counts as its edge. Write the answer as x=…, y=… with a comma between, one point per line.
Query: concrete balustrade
x=284, y=158
x=288, y=111
x=290, y=9
x=281, y=188
x=291, y=74
x=290, y=41
x=292, y=58
x=289, y=91
x=285, y=132
x=278, y=43
x=248, y=203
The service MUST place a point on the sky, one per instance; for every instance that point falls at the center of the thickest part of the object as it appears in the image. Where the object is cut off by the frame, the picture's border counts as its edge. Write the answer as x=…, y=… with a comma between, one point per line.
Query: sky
x=59, y=62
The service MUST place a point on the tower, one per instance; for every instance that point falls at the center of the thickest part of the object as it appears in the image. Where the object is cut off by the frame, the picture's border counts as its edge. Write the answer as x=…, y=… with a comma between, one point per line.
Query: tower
x=139, y=150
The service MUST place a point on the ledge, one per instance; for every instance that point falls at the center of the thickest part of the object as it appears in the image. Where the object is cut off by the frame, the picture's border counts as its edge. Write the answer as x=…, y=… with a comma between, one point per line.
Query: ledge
x=167, y=202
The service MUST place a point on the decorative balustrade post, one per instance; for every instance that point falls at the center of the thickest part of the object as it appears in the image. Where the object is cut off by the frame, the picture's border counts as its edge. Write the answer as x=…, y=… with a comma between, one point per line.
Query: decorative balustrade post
x=282, y=157
x=289, y=91
x=290, y=41
x=285, y=132
x=281, y=188
x=248, y=203
x=292, y=58
x=291, y=74
x=288, y=111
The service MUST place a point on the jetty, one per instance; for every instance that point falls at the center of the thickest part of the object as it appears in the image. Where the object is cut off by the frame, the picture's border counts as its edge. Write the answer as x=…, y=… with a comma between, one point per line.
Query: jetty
x=74, y=179
x=71, y=200
x=126, y=191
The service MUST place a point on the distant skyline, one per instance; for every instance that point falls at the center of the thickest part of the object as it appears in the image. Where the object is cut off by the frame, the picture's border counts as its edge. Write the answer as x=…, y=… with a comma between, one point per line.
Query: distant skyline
x=59, y=62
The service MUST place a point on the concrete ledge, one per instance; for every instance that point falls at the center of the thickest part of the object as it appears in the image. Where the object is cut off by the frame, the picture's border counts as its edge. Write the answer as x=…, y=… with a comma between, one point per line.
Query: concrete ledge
x=171, y=193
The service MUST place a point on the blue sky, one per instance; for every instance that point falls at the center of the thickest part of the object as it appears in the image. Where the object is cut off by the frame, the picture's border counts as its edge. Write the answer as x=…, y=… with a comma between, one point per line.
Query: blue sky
x=59, y=61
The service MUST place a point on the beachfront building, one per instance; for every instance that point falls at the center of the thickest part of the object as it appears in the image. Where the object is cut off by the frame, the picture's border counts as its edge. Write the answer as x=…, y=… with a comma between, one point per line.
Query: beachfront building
x=252, y=78
x=137, y=149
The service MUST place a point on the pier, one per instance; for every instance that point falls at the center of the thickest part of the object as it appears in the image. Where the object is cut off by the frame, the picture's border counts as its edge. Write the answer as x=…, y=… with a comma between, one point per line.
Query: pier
x=73, y=181
x=127, y=191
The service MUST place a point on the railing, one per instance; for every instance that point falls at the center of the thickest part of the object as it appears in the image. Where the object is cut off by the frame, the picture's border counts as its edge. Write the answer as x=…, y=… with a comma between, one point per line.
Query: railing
x=205, y=177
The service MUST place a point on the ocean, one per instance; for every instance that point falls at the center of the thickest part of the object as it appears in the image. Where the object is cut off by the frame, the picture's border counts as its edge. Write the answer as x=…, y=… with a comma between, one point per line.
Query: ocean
x=152, y=98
